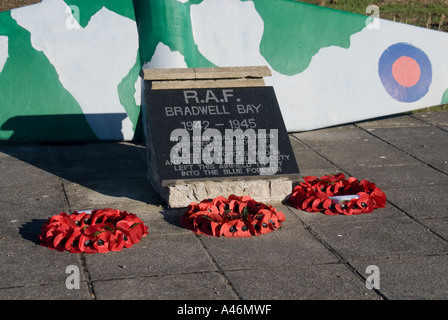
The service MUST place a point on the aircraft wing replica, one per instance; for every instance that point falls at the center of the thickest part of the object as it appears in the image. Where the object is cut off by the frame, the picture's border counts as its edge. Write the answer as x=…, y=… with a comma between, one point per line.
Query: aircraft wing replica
x=69, y=69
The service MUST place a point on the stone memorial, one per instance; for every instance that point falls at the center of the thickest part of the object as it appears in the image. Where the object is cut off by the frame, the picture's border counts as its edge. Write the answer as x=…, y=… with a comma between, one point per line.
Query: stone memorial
x=214, y=132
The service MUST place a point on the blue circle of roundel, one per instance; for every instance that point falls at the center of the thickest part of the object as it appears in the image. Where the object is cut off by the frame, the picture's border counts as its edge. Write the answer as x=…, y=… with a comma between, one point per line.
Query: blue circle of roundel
x=396, y=90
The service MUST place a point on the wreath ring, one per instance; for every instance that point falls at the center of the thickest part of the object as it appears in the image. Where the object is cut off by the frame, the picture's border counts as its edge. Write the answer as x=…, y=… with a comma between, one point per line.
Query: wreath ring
x=91, y=232
x=335, y=195
x=231, y=217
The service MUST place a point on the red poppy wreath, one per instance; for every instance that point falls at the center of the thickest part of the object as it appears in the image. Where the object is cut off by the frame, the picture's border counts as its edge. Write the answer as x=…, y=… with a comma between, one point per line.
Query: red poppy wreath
x=232, y=217
x=99, y=231
x=334, y=195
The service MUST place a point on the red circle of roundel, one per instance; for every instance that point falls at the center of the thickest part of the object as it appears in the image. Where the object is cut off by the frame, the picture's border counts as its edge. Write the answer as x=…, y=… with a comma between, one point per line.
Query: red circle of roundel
x=405, y=72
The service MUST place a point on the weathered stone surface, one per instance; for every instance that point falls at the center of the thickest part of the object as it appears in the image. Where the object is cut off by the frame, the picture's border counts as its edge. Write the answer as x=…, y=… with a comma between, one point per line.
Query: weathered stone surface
x=198, y=84
x=206, y=73
x=270, y=190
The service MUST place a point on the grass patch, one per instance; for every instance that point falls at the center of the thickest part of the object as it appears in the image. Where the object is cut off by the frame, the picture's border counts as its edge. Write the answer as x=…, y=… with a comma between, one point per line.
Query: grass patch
x=431, y=14
x=12, y=4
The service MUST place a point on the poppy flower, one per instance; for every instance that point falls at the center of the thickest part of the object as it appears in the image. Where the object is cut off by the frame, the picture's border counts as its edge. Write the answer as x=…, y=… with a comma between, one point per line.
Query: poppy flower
x=237, y=228
x=317, y=204
x=267, y=221
x=379, y=198
x=72, y=243
x=329, y=207
x=365, y=203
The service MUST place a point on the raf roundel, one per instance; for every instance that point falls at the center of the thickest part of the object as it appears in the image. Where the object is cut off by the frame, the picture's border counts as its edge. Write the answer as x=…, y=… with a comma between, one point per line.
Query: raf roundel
x=405, y=72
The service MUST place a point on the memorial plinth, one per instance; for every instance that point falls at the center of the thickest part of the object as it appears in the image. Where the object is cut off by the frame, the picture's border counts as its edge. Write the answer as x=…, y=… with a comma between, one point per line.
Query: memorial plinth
x=215, y=132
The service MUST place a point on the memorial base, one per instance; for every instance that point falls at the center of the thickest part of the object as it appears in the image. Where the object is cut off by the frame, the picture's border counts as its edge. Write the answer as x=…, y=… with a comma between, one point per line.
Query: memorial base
x=195, y=118
x=267, y=190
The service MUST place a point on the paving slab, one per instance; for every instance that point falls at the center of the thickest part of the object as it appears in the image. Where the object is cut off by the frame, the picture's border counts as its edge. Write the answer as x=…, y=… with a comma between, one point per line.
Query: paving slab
x=309, y=160
x=35, y=154
x=339, y=137
x=438, y=226
x=290, y=246
x=332, y=281
x=420, y=202
x=397, y=121
x=31, y=265
x=107, y=193
x=391, y=177
x=154, y=255
x=23, y=211
x=368, y=240
x=98, y=162
x=428, y=144
x=48, y=291
x=371, y=153
x=32, y=197
x=190, y=286
x=411, y=278
x=313, y=256
x=20, y=173
x=439, y=119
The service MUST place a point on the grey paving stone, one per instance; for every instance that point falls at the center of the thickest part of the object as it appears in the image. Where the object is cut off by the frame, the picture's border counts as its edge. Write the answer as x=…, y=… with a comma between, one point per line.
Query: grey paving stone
x=354, y=147
x=437, y=225
x=373, y=153
x=291, y=245
x=428, y=144
x=296, y=144
x=439, y=119
x=24, y=210
x=32, y=153
x=51, y=291
x=338, y=137
x=397, y=121
x=308, y=160
x=106, y=193
x=30, y=265
x=154, y=255
x=319, y=282
x=99, y=161
x=421, y=202
x=20, y=230
x=168, y=222
x=380, y=239
x=299, y=261
x=392, y=177
x=32, y=197
x=20, y=173
x=192, y=286
x=414, y=278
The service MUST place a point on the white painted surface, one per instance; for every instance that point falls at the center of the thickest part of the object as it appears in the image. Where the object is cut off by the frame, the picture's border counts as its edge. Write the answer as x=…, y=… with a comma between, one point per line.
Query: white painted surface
x=343, y=85
x=91, y=62
x=165, y=58
x=228, y=32
x=3, y=51
x=138, y=91
x=340, y=85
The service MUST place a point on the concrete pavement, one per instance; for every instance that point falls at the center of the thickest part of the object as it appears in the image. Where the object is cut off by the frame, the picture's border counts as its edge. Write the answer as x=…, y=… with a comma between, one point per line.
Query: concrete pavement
x=312, y=257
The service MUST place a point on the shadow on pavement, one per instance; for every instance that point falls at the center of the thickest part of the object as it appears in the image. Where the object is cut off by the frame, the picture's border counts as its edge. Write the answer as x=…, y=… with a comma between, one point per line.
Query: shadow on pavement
x=112, y=168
